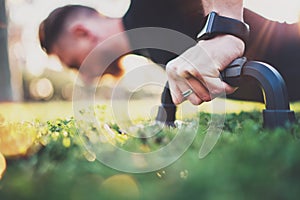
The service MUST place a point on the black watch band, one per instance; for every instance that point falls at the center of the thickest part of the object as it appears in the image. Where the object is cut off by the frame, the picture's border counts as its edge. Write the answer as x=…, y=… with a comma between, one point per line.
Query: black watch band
x=218, y=25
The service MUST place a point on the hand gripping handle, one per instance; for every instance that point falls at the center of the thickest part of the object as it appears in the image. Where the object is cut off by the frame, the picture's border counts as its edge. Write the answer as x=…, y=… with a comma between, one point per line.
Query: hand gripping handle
x=277, y=112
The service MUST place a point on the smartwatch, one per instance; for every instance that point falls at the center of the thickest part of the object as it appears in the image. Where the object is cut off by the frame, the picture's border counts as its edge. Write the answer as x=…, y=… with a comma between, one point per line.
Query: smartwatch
x=219, y=25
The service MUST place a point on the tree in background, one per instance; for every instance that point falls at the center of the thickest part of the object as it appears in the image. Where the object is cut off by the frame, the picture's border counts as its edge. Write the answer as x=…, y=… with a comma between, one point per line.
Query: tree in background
x=5, y=84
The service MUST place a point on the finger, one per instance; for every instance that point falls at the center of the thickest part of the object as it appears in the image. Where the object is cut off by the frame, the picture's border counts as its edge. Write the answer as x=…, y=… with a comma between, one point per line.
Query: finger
x=206, y=88
x=193, y=97
x=217, y=87
x=229, y=89
x=199, y=89
x=189, y=71
x=172, y=77
x=175, y=92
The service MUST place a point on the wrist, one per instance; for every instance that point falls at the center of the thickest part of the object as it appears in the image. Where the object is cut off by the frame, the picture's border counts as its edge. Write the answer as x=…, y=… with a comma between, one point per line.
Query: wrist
x=228, y=8
x=219, y=25
x=228, y=47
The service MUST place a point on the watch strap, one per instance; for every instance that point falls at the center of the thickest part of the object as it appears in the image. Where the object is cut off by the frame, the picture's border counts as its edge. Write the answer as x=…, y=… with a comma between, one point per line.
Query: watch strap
x=219, y=25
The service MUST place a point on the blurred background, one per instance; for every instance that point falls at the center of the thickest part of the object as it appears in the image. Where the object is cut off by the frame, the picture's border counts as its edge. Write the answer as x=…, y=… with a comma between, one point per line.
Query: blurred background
x=31, y=75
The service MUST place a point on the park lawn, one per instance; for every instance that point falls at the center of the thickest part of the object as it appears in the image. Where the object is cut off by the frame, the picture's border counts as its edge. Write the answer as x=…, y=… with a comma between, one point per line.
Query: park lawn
x=248, y=161
x=61, y=109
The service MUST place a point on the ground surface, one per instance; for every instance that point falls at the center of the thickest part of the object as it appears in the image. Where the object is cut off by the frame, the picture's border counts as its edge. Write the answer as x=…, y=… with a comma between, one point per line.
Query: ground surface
x=248, y=161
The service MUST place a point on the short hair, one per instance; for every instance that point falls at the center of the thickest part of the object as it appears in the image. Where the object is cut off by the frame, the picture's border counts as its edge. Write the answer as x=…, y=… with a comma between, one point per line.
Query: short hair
x=53, y=26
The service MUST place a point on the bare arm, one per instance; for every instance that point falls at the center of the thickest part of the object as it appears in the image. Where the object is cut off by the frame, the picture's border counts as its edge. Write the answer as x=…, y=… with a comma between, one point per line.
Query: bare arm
x=199, y=67
x=229, y=8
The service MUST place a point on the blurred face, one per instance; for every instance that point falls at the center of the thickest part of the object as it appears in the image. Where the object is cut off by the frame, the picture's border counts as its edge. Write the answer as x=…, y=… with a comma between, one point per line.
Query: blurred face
x=79, y=41
x=72, y=51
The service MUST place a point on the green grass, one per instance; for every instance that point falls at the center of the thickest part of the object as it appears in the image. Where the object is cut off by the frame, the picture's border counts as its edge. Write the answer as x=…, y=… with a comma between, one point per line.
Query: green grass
x=248, y=162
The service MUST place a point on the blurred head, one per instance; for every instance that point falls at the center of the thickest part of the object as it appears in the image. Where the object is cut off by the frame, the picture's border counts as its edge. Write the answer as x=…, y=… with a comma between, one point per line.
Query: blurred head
x=73, y=31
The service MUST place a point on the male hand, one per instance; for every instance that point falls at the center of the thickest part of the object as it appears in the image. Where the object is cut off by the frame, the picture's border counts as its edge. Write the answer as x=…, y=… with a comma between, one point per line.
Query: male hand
x=198, y=69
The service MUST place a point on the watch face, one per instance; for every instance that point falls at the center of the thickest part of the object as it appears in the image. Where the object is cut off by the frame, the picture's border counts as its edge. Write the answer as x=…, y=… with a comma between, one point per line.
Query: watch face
x=207, y=29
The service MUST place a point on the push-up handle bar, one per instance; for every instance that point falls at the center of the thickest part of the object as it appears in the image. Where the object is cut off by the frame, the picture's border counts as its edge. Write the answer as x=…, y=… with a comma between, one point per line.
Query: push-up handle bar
x=277, y=112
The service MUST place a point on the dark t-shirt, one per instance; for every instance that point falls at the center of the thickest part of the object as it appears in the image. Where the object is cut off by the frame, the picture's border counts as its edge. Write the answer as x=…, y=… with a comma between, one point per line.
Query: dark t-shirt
x=275, y=43
x=182, y=16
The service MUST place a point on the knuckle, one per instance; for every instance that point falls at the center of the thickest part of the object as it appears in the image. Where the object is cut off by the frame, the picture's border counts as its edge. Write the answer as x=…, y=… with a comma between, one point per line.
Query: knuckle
x=206, y=98
x=182, y=72
x=196, y=101
x=194, y=71
x=177, y=101
x=171, y=67
x=217, y=91
x=171, y=73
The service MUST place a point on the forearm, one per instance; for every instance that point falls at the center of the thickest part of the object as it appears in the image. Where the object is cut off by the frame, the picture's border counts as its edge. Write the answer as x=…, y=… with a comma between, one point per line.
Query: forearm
x=231, y=9
x=198, y=68
x=228, y=8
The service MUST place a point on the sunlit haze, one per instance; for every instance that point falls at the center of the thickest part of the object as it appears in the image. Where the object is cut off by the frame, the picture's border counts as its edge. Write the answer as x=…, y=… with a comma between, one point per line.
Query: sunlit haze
x=279, y=10
x=30, y=15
